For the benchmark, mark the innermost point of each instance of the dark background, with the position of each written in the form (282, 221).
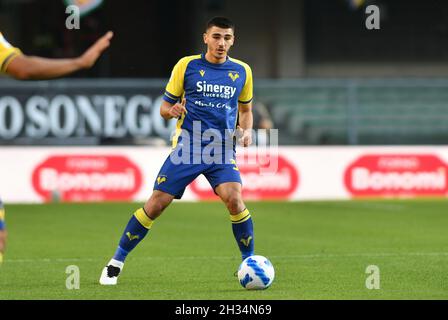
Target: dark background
(150, 36)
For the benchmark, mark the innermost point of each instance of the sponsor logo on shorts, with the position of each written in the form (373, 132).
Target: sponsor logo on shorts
(161, 179)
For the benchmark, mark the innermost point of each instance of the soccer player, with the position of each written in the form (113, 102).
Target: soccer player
(212, 91)
(20, 66)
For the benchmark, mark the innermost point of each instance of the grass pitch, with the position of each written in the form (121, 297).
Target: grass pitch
(320, 250)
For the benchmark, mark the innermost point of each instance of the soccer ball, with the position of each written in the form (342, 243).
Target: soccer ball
(256, 273)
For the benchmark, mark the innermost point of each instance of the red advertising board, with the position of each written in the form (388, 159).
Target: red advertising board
(87, 178)
(397, 175)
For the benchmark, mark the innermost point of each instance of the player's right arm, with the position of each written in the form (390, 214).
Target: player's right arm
(170, 107)
(169, 110)
(25, 67)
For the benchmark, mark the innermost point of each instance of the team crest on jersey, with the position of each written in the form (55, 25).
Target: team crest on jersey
(202, 72)
(234, 76)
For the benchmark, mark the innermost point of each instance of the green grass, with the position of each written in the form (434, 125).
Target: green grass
(320, 250)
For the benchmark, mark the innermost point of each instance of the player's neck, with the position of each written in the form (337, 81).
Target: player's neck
(212, 59)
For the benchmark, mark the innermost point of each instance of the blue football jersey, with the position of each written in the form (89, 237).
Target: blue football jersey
(212, 93)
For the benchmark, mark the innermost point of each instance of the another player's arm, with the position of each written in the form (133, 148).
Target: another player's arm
(25, 67)
(246, 121)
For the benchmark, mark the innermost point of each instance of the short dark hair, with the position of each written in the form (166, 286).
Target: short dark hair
(220, 22)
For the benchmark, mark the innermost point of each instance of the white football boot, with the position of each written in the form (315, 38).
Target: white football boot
(110, 273)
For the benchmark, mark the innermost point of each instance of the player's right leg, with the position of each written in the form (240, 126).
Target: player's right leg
(136, 229)
(170, 184)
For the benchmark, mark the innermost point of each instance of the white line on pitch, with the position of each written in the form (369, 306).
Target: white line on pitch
(303, 256)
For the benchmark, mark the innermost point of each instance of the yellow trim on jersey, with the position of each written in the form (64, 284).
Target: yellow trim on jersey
(7, 53)
(8, 59)
(178, 130)
(240, 217)
(169, 95)
(246, 94)
(141, 216)
(175, 86)
(2, 214)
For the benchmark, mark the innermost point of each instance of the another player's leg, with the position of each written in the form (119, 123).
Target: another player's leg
(242, 226)
(136, 229)
(2, 232)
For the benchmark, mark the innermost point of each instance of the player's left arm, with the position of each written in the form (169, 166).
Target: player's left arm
(245, 115)
(246, 121)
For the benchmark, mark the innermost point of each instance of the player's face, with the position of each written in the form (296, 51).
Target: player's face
(219, 41)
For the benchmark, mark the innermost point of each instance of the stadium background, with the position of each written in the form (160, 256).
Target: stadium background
(361, 113)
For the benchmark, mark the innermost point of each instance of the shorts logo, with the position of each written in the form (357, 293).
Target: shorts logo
(232, 161)
(246, 242)
(161, 179)
(234, 76)
(202, 72)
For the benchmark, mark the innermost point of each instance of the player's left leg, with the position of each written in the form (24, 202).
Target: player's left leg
(242, 226)
(226, 181)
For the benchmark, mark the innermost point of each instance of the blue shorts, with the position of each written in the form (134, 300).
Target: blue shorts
(174, 178)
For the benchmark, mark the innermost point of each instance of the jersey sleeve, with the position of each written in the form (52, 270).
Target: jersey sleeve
(175, 87)
(7, 53)
(247, 94)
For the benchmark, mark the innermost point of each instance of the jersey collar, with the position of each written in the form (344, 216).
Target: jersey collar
(215, 65)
